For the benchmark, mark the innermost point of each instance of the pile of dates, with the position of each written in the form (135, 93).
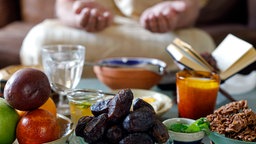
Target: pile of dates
(119, 120)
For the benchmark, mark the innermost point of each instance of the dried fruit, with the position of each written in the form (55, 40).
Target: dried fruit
(114, 123)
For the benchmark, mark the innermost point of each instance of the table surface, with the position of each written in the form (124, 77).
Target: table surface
(250, 96)
(92, 83)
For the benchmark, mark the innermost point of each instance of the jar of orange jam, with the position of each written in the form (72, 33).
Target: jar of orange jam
(196, 93)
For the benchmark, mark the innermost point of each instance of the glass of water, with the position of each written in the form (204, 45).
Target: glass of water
(63, 64)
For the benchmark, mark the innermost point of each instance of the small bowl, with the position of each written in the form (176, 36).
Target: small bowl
(66, 129)
(128, 76)
(221, 139)
(180, 138)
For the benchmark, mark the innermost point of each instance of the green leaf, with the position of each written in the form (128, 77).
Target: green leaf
(193, 128)
(178, 127)
(83, 105)
(199, 125)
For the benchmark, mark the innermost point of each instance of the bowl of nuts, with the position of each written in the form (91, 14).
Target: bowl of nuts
(233, 123)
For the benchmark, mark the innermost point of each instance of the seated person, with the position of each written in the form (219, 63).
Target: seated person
(119, 28)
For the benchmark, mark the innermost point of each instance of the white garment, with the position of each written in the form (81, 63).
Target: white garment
(239, 84)
(128, 39)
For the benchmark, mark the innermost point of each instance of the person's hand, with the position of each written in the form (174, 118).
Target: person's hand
(162, 17)
(92, 16)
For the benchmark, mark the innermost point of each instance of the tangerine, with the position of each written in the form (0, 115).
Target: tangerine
(21, 113)
(50, 106)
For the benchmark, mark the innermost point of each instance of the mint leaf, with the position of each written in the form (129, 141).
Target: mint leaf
(193, 128)
(178, 127)
(199, 125)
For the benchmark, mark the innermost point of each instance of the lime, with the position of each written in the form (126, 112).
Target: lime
(8, 122)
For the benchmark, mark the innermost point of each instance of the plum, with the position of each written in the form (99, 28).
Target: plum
(27, 89)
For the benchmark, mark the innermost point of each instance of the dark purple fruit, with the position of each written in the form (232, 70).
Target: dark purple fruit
(119, 106)
(139, 103)
(82, 122)
(139, 120)
(137, 138)
(114, 134)
(95, 128)
(100, 107)
(27, 89)
(159, 132)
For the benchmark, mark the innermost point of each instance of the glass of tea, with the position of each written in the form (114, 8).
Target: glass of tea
(80, 102)
(196, 93)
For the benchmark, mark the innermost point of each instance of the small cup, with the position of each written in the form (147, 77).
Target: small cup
(183, 138)
(196, 93)
(80, 101)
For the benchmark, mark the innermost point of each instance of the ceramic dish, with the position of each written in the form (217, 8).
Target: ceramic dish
(182, 138)
(221, 139)
(160, 102)
(130, 72)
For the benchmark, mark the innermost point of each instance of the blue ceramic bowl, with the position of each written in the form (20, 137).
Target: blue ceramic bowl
(132, 62)
(129, 72)
(183, 138)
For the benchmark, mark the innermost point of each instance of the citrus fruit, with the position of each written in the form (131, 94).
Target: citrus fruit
(37, 126)
(27, 89)
(8, 121)
(50, 106)
(21, 113)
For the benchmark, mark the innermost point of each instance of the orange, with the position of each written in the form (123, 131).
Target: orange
(50, 106)
(21, 113)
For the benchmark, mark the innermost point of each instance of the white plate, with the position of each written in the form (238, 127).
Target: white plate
(162, 103)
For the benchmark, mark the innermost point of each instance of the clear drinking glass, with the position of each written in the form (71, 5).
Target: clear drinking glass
(80, 102)
(63, 64)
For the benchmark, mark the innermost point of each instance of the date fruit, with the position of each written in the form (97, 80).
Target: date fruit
(115, 123)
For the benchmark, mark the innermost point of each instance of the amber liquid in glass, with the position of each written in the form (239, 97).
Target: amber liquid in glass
(196, 93)
(80, 102)
(79, 109)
